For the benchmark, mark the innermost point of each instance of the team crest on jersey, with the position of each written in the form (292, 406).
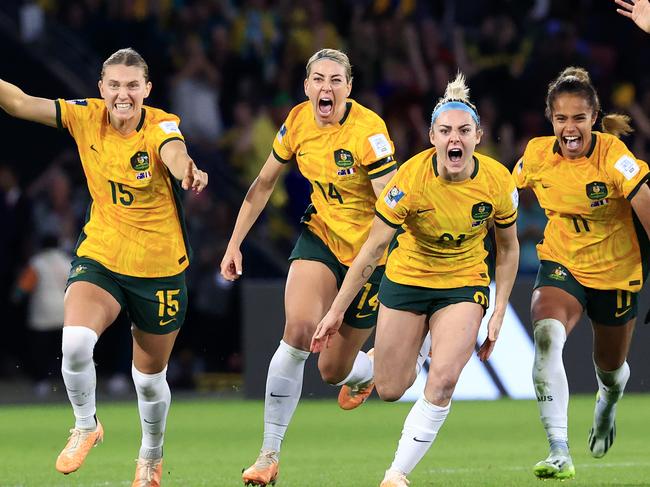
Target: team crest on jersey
(140, 161)
(481, 211)
(596, 190)
(343, 158)
(558, 274)
(393, 196)
(80, 269)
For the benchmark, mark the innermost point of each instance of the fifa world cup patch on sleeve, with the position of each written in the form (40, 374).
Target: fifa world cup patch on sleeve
(282, 132)
(380, 145)
(515, 198)
(169, 127)
(627, 166)
(81, 102)
(393, 196)
(520, 166)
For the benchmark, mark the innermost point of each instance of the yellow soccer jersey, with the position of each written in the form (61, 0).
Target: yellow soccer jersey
(134, 225)
(590, 227)
(339, 161)
(445, 222)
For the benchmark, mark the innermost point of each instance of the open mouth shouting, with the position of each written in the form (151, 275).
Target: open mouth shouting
(455, 155)
(325, 106)
(573, 143)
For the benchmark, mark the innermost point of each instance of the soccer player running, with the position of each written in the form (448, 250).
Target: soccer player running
(345, 152)
(637, 10)
(132, 250)
(439, 205)
(593, 191)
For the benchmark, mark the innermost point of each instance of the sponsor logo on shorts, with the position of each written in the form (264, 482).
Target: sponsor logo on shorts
(360, 316)
(620, 313)
(80, 269)
(166, 322)
(558, 274)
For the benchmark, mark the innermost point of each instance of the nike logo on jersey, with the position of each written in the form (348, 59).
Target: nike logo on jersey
(92, 147)
(618, 314)
(424, 210)
(273, 394)
(163, 323)
(300, 154)
(415, 438)
(546, 186)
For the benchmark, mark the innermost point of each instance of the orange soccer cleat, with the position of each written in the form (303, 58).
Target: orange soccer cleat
(264, 471)
(393, 478)
(351, 397)
(76, 450)
(148, 472)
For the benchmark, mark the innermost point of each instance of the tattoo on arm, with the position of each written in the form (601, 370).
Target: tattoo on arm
(367, 271)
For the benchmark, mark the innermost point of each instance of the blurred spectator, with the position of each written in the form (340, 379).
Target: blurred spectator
(43, 280)
(194, 93)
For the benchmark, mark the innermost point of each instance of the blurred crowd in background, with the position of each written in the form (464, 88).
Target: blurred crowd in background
(232, 70)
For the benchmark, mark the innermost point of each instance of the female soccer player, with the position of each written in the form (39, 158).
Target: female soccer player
(440, 203)
(637, 10)
(132, 251)
(591, 258)
(344, 150)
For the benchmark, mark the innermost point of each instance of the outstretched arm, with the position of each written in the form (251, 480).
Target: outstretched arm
(363, 266)
(637, 10)
(174, 155)
(254, 202)
(19, 104)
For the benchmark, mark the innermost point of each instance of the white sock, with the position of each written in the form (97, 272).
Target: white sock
(420, 429)
(610, 389)
(549, 378)
(423, 354)
(611, 384)
(283, 389)
(361, 372)
(154, 399)
(78, 372)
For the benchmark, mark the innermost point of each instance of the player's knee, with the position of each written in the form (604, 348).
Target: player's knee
(442, 389)
(390, 391)
(298, 333)
(77, 347)
(549, 334)
(331, 373)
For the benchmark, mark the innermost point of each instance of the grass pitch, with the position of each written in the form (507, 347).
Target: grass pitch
(210, 441)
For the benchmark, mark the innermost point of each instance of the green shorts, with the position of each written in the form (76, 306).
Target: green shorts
(362, 313)
(605, 307)
(426, 300)
(155, 304)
